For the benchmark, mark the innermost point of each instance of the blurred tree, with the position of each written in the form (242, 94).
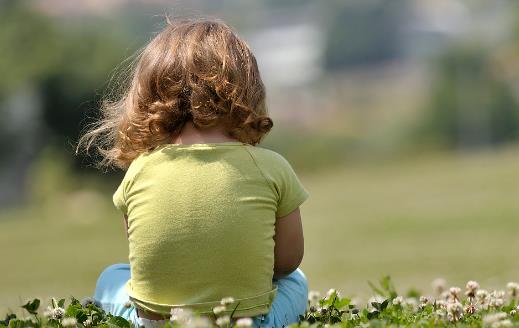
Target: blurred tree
(470, 104)
(29, 52)
(28, 44)
(71, 93)
(364, 32)
(69, 67)
(52, 77)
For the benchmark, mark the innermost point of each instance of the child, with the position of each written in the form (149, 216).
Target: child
(208, 213)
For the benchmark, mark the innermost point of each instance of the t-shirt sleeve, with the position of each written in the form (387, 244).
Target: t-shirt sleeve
(119, 199)
(291, 192)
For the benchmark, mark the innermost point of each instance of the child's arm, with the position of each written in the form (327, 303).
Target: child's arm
(289, 244)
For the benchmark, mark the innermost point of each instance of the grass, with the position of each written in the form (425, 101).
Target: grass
(448, 216)
(443, 215)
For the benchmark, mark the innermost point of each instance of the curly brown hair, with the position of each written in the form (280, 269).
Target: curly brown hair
(194, 69)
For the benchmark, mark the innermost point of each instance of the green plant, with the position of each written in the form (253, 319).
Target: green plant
(450, 307)
(87, 313)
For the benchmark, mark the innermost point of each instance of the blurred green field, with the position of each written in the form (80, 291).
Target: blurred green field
(443, 215)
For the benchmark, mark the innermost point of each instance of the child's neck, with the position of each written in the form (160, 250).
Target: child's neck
(191, 135)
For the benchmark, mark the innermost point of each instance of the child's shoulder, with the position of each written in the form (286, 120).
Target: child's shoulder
(268, 155)
(282, 177)
(271, 160)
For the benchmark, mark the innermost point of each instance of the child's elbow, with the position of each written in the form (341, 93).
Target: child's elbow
(287, 264)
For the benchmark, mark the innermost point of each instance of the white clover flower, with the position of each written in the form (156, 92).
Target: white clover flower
(399, 300)
(411, 302)
(445, 295)
(499, 293)
(438, 285)
(455, 293)
(455, 311)
(440, 312)
(376, 299)
(58, 313)
(181, 316)
(219, 309)
(331, 292)
(454, 290)
(227, 301)
(87, 323)
(470, 309)
(483, 298)
(223, 321)
(244, 322)
(513, 289)
(484, 305)
(481, 294)
(496, 298)
(313, 296)
(440, 304)
(68, 322)
(425, 300)
(494, 317)
(472, 287)
(454, 307)
(503, 324)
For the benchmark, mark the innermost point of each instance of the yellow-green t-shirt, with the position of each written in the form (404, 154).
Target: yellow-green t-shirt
(201, 224)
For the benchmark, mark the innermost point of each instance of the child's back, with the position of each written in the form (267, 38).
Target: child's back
(201, 224)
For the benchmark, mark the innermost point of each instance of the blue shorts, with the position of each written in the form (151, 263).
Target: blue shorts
(289, 302)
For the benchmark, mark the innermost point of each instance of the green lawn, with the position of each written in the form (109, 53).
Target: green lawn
(451, 216)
